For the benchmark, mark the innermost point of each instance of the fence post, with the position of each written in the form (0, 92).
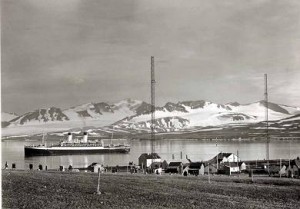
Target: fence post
(98, 186)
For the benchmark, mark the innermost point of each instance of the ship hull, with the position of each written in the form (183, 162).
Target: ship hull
(43, 151)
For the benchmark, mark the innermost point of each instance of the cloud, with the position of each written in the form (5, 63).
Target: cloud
(215, 50)
(75, 80)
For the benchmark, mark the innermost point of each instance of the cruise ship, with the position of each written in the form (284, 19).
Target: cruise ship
(72, 147)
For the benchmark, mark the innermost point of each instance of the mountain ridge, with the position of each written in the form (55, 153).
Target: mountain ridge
(132, 114)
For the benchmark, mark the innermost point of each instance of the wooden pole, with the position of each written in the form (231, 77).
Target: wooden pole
(98, 186)
(218, 161)
(280, 168)
(208, 174)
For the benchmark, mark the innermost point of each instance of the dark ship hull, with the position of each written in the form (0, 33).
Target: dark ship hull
(46, 151)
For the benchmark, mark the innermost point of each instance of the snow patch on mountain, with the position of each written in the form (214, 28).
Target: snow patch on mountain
(258, 109)
(291, 110)
(165, 124)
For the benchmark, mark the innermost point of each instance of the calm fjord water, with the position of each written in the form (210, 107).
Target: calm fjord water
(196, 150)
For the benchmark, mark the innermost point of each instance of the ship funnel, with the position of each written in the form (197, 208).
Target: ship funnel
(69, 137)
(85, 137)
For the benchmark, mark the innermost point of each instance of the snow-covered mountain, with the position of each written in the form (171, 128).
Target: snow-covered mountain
(291, 123)
(133, 115)
(203, 113)
(8, 116)
(39, 116)
(90, 114)
(100, 114)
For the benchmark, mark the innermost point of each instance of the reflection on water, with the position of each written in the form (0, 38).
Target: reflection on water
(13, 152)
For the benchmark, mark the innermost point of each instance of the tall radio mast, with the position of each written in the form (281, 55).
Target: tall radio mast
(152, 106)
(267, 119)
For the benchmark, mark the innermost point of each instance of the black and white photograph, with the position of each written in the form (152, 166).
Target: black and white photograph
(150, 104)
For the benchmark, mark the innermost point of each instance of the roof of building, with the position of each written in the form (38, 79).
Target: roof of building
(195, 165)
(172, 169)
(210, 165)
(296, 162)
(156, 163)
(175, 164)
(150, 156)
(220, 157)
(240, 163)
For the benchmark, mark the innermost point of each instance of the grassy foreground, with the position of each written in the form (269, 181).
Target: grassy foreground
(40, 189)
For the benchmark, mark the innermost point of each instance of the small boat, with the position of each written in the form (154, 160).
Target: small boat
(71, 147)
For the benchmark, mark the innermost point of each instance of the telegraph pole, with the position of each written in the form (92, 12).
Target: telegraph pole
(267, 121)
(152, 106)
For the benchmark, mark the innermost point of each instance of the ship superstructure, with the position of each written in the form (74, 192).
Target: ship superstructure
(74, 146)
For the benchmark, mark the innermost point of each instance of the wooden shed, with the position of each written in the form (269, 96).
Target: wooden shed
(229, 168)
(196, 168)
(175, 167)
(162, 164)
(212, 168)
(293, 168)
(146, 159)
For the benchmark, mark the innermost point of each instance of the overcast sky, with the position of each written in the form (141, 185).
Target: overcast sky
(65, 53)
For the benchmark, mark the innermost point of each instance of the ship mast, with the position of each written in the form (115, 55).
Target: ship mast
(152, 106)
(112, 136)
(267, 120)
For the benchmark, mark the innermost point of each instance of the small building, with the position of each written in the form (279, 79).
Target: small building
(175, 167)
(146, 159)
(211, 168)
(158, 171)
(224, 157)
(275, 169)
(95, 166)
(293, 169)
(296, 166)
(195, 168)
(243, 166)
(163, 165)
(282, 171)
(229, 168)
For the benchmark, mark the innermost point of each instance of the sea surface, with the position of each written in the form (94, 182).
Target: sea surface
(168, 149)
